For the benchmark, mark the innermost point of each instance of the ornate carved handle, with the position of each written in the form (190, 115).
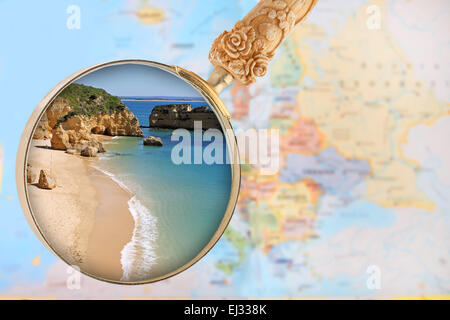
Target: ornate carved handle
(245, 51)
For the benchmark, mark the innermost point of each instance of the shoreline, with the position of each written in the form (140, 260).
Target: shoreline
(86, 219)
(113, 227)
(137, 254)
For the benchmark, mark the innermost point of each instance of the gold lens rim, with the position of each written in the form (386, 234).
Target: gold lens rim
(203, 87)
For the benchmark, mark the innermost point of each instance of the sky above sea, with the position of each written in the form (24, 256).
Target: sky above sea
(133, 80)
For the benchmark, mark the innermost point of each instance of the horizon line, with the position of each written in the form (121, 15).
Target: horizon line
(163, 98)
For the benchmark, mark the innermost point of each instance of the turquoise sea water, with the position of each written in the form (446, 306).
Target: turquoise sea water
(176, 208)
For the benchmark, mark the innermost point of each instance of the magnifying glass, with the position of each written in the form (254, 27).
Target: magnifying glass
(129, 170)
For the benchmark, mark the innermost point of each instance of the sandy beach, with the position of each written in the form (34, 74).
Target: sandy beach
(85, 218)
(131, 214)
(113, 227)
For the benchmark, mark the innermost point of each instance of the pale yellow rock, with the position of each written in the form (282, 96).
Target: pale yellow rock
(31, 174)
(59, 108)
(43, 130)
(98, 129)
(60, 139)
(89, 152)
(153, 141)
(80, 127)
(46, 180)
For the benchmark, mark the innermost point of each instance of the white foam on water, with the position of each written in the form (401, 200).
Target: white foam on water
(113, 177)
(138, 255)
(112, 140)
(104, 158)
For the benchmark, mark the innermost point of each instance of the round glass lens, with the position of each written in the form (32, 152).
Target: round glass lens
(128, 175)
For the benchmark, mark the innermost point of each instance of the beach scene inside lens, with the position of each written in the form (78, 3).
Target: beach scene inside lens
(127, 173)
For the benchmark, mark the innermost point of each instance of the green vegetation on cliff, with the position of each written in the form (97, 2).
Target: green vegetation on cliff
(89, 101)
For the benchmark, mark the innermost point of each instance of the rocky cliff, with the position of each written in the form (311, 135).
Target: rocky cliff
(176, 116)
(81, 111)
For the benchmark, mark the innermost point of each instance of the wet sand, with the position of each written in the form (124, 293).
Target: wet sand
(112, 230)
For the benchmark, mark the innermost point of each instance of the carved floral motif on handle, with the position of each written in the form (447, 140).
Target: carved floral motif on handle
(246, 50)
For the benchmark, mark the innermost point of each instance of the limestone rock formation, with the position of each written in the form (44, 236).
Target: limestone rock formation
(60, 139)
(122, 123)
(31, 174)
(77, 139)
(46, 180)
(79, 113)
(153, 141)
(58, 109)
(98, 130)
(89, 152)
(176, 116)
(43, 130)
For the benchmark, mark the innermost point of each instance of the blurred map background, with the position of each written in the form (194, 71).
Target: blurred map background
(361, 95)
